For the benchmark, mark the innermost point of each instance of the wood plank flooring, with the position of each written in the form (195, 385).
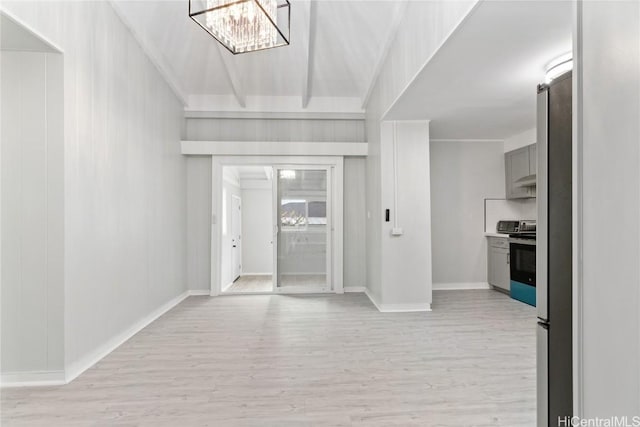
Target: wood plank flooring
(334, 360)
(303, 280)
(252, 283)
(263, 283)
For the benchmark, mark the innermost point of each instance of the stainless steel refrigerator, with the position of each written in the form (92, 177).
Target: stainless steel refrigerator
(554, 252)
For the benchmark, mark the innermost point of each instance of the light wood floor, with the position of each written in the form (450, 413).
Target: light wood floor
(252, 283)
(263, 283)
(303, 280)
(276, 360)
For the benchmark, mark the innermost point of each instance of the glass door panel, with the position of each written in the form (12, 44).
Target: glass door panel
(303, 224)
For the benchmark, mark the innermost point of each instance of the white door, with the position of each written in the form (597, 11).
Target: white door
(236, 237)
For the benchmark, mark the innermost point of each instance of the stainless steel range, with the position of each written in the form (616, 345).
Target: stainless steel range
(522, 250)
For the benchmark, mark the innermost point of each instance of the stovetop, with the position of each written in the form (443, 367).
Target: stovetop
(528, 236)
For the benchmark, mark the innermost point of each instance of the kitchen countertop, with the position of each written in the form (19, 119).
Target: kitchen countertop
(503, 235)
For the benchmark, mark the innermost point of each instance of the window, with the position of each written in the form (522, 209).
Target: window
(300, 213)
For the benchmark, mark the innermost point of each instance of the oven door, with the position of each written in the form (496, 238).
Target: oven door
(523, 263)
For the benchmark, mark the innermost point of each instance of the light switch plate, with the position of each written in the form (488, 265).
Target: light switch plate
(397, 231)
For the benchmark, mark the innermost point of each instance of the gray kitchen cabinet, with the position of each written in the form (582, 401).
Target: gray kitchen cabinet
(519, 165)
(498, 263)
(533, 159)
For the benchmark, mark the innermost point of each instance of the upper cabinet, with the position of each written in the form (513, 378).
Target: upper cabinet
(533, 159)
(520, 172)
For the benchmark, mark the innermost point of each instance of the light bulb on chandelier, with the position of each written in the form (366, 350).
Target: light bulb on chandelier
(246, 25)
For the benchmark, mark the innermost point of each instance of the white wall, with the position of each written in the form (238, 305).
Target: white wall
(257, 230)
(275, 130)
(355, 220)
(608, 129)
(32, 214)
(406, 259)
(300, 130)
(520, 140)
(463, 174)
(423, 29)
(199, 222)
(512, 209)
(125, 179)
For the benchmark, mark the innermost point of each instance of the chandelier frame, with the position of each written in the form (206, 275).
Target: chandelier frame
(286, 39)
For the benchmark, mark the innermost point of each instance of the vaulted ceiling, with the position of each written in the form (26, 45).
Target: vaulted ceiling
(334, 52)
(480, 84)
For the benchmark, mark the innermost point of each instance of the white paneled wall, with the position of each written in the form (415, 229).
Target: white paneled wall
(425, 26)
(355, 217)
(32, 215)
(406, 259)
(199, 222)
(298, 130)
(124, 176)
(199, 191)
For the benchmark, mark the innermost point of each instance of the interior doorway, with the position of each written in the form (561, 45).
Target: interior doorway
(277, 228)
(247, 234)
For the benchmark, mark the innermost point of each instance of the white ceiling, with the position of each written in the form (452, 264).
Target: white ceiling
(254, 173)
(14, 36)
(340, 52)
(482, 83)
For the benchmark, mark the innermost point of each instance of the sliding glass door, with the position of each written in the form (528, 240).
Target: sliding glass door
(303, 229)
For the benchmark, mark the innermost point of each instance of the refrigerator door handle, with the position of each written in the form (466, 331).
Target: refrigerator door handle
(542, 236)
(542, 361)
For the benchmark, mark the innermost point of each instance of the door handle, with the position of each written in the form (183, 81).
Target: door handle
(234, 246)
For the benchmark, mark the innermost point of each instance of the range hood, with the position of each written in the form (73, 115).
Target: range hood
(526, 181)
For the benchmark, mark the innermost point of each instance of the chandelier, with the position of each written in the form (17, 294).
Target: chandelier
(244, 25)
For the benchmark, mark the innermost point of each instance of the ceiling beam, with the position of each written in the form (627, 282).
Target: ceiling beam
(309, 12)
(231, 70)
(396, 19)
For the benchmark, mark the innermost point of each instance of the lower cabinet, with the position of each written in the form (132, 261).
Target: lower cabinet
(498, 263)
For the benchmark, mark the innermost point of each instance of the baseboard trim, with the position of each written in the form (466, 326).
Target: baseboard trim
(32, 379)
(226, 287)
(397, 308)
(372, 298)
(355, 289)
(199, 292)
(460, 286)
(75, 369)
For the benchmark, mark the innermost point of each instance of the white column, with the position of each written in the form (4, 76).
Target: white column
(406, 238)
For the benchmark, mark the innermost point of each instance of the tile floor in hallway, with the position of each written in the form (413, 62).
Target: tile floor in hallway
(331, 360)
